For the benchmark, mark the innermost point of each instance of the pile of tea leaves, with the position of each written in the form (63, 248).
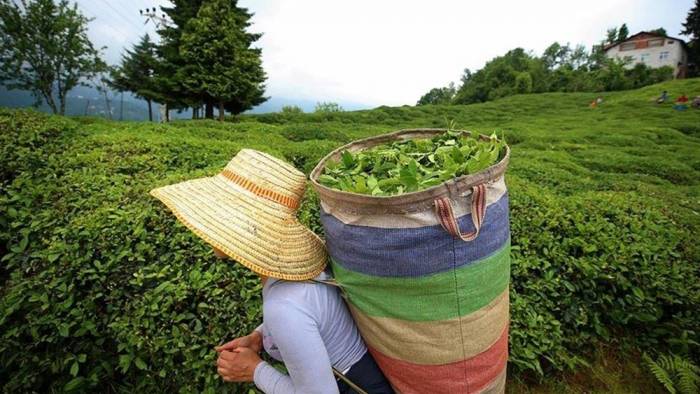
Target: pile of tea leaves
(411, 165)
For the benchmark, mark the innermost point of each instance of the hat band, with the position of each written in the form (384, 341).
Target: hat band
(259, 191)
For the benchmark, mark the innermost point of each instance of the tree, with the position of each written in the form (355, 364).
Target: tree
(611, 37)
(622, 33)
(523, 83)
(328, 107)
(660, 31)
(555, 55)
(442, 95)
(499, 78)
(220, 62)
(137, 73)
(691, 28)
(171, 87)
(44, 48)
(291, 110)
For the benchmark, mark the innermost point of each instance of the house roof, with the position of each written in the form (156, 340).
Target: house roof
(644, 33)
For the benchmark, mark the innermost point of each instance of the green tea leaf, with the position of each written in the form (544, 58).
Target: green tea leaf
(411, 165)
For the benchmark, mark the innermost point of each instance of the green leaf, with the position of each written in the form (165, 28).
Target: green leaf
(327, 180)
(64, 330)
(74, 384)
(409, 176)
(125, 362)
(74, 368)
(140, 364)
(347, 159)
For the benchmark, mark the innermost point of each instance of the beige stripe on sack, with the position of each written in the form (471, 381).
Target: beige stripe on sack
(432, 343)
(494, 192)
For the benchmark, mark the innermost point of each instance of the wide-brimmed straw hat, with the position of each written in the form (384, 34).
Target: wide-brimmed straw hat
(248, 211)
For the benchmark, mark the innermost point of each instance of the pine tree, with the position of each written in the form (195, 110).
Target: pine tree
(691, 27)
(611, 36)
(173, 92)
(136, 73)
(622, 33)
(220, 62)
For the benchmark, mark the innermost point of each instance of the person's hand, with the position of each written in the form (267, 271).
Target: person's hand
(251, 341)
(237, 365)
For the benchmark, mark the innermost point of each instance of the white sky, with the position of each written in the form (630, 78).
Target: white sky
(392, 51)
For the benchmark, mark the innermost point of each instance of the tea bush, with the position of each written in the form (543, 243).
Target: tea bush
(103, 290)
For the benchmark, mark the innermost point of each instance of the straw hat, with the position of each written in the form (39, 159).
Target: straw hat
(248, 211)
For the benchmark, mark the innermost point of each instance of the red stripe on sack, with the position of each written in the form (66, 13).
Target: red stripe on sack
(481, 370)
(479, 195)
(442, 216)
(454, 228)
(482, 203)
(259, 191)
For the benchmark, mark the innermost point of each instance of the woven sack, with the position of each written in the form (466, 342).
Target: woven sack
(426, 274)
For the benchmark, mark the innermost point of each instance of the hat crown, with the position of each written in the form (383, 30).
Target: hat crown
(268, 173)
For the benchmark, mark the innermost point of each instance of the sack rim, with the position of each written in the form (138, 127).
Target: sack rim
(409, 202)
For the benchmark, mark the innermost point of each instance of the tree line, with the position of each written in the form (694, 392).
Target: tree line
(562, 68)
(204, 59)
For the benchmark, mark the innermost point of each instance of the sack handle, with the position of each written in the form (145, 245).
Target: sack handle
(445, 214)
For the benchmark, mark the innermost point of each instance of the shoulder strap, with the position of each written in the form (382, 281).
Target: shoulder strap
(348, 382)
(330, 282)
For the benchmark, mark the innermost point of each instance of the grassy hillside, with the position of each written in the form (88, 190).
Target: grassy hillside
(101, 289)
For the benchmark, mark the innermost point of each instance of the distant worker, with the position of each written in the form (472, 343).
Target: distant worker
(681, 103)
(663, 98)
(696, 102)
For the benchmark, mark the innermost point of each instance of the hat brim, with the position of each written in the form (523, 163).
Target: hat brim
(260, 234)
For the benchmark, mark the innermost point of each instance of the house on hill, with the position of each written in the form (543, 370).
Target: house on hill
(653, 49)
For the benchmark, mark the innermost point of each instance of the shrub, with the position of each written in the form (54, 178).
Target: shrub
(580, 277)
(325, 107)
(292, 110)
(102, 290)
(312, 131)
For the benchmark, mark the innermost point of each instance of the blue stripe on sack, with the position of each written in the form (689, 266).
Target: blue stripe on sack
(414, 251)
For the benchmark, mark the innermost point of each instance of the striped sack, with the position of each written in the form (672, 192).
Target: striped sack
(426, 275)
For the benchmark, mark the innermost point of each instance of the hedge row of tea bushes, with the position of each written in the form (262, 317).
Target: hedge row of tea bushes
(102, 290)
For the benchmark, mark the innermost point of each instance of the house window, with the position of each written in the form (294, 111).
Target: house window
(644, 57)
(657, 42)
(627, 46)
(663, 55)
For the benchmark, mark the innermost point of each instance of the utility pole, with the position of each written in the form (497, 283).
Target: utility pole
(87, 106)
(151, 15)
(121, 108)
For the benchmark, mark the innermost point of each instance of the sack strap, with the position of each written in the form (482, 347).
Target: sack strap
(446, 216)
(348, 382)
(330, 282)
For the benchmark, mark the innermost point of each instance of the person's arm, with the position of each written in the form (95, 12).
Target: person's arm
(305, 356)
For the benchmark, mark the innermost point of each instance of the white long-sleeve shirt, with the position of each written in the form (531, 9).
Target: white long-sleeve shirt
(308, 327)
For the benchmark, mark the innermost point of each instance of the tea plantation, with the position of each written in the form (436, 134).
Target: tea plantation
(102, 290)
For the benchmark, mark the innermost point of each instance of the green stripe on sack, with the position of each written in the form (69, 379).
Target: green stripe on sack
(429, 298)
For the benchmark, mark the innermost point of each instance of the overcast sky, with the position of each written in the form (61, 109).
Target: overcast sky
(390, 52)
